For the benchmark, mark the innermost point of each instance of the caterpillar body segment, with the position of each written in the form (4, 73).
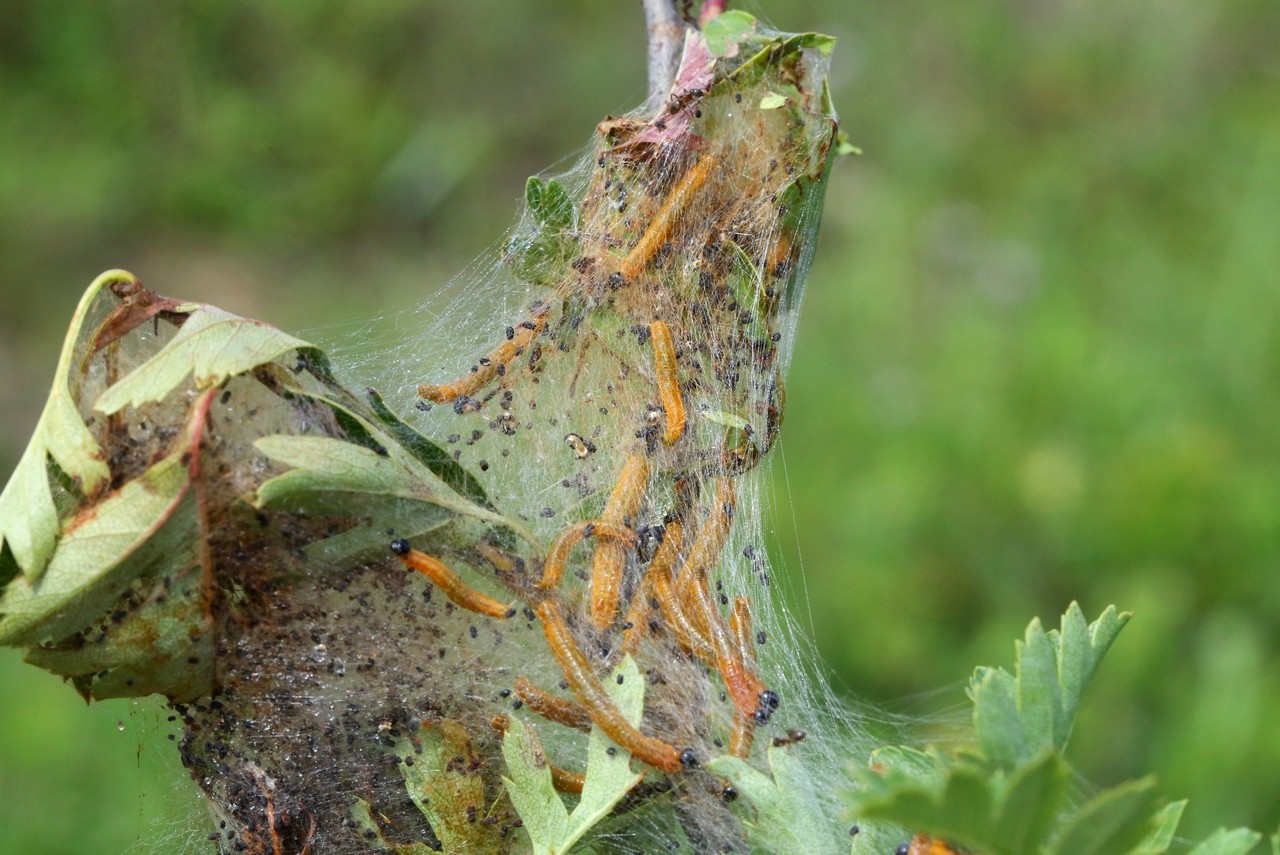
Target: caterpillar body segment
(495, 363)
(604, 713)
(570, 536)
(664, 360)
(449, 582)
(611, 555)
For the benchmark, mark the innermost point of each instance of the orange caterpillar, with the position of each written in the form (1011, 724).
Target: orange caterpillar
(570, 536)
(611, 554)
(664, 222)
(518, 339)
(659, 568)
(664, 360)
(922, 844)
(552, 707)
(449, 582)
(604, 713)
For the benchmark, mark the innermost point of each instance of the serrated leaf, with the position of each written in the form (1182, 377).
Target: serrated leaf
(164, 645)
(550, 204)
(726, 31)
(951, 799)
(1039, 698)
(528, 782)
(1008, 799)
(609, 776)
(1236, 841)
(210, 347)
(552, 828)
(789, 817)
(904, 762)
(1018, 718)
(28, 517)
(996, 717)
(1114, 822)
(1081, 647)
(769, 53)
(956, 807)
(823, 44)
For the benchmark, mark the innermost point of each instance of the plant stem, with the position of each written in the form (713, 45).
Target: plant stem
(666, 39)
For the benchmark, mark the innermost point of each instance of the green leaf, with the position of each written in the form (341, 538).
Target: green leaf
(1114, 822)
(550, 204)
(844, 148)
(905, 763)
(1018, 718)
(817, 41)
(429, 454)
(966, 803)
(164, 645)
(321, 465)
(149, 521)
(609, 777)
(1039, 700)
(772, 101)
(1237, 841)
(528, 781)
(788, 813)
(1029, 804)
(212, 345)
(1166, 823)
(28, 517)
(770, 53)
(996, 716)
(726, 31)
(1081, 647)
(1011, 798)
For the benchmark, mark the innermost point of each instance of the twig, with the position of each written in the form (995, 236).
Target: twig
(666, 40)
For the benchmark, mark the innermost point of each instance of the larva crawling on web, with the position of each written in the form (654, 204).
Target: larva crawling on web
(664, 360)
(552, 707)
(570, 536)
(490, 366)
(450, 582)
(611, 554)
(603, 712)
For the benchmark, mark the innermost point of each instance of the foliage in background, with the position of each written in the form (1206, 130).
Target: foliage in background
(1011, 793)
(1038, 359)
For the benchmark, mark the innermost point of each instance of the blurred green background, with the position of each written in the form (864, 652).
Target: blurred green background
(1039, 361)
